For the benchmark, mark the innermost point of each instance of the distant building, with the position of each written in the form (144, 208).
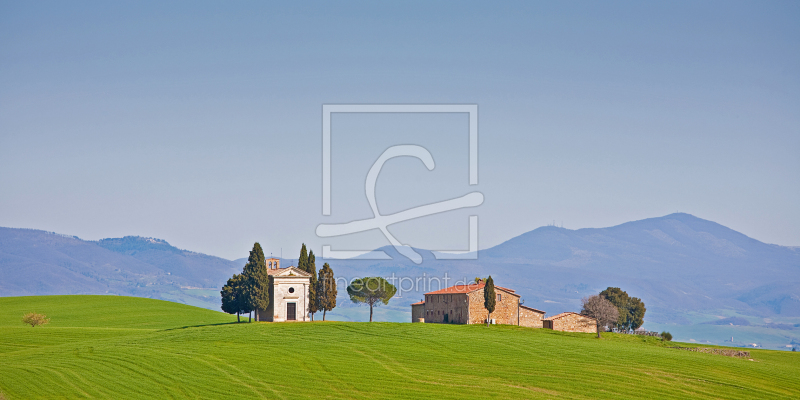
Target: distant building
(463, 304)
(288, 294)
(571, 322)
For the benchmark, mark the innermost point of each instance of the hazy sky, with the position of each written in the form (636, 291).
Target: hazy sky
(201, 123)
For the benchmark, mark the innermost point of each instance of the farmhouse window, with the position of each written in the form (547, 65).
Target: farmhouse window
(499, 297)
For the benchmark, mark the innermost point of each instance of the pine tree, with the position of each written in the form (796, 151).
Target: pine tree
(256, 281)
(311, 268)
(489, 298)
(326, 290)
(371, 291)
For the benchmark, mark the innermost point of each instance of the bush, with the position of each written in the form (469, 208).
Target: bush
(34, 319)
(666, 336)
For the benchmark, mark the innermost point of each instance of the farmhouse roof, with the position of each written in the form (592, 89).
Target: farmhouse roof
(469, 288)
(419, 303)
(532, 309)
(564, 314)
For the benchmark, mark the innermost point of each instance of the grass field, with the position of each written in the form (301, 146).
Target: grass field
(123, 347)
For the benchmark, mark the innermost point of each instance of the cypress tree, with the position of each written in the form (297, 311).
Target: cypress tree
(311, 268)
(256, 281)
(302, 262)
(489, 298)
(326, 290)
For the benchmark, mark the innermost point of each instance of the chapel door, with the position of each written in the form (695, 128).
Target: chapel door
(291, 311)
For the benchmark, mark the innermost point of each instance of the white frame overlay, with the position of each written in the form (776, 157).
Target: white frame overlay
(328, 109)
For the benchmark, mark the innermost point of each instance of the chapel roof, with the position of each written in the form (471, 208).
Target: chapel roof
(287, 271)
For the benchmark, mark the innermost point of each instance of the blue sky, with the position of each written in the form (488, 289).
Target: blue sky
(200, 123)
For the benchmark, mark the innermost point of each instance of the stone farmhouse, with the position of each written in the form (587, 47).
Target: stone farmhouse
(571, 322)
(288, 294)
(463, 304)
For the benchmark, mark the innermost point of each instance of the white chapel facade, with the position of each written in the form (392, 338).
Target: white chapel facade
(288, 294)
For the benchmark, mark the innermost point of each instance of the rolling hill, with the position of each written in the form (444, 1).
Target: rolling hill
(134, 348)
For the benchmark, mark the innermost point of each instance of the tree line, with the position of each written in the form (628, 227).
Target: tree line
(249, 291)
(614, 308)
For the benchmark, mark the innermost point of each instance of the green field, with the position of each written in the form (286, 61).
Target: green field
(123, 347)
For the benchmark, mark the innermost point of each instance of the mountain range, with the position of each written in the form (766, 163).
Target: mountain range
(691, 274)
(34, 262)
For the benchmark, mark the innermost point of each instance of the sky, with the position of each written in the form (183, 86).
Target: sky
(200, 123)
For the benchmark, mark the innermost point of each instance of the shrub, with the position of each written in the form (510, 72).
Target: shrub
(666, 336)
(34, 319)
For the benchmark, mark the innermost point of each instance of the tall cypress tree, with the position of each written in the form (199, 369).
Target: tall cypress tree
(326, 290)
(256, 281)
(302, 262)
(489, 298)
(311, 268)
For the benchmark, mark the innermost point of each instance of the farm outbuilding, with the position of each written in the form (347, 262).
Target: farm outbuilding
(418, 312)
(531, 317)
(571, 322)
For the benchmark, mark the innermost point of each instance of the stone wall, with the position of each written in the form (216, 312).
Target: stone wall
(530, 318)
(572, 322)
(505, 310)
(446, 308)
(723, 352)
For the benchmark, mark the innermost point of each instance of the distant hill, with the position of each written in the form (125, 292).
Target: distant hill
(675, 262)
(34, 262)
(679, 261)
